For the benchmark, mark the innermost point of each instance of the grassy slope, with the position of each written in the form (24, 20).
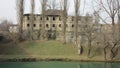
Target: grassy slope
(42, 50)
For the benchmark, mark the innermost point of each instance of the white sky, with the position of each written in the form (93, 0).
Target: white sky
(8, 9)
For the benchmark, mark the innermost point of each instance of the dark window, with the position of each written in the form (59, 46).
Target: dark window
(66, 25)
(72, 25)
(47, 25)
(40, 25)
(72, 19)
(79, 25)
(53, 25)
(53, 18)
(59, 25)
(28, 25)
(34, 18)
(47, 18)
(59, 18)
(85, 25)
(28, 18)
(40, 18)
(34, 25)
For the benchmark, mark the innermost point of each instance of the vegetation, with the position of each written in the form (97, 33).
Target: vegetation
(92, 41)
(20, 13)
(64, 9)
(48, 50)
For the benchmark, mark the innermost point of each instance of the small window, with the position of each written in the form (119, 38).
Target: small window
(40, 25)
(86, 25)
(79, 25)
(34, 18)
(34, 25)
(72, 25)
(47, 18)
(66, 25)
(59, 18)
(28, 25)
(59, 25)
(47, 25)
(53, 18)
(72, 19)
(28, 18)
(53, 25)
(40, 18)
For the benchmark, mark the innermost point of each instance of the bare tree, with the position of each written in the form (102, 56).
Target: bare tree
(32, 19)
(104, 33)
(105, 41)
(20, 13)
(9, 31)
(89, 32)
(4, 25)
(52, 4)
(64, 9)
(77, 8)
(118, 15)
(111, 9)
(43, 6)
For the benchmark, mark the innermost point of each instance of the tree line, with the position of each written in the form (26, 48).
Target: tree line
(106, 35)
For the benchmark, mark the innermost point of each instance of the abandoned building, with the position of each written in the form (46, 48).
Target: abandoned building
(53, 24)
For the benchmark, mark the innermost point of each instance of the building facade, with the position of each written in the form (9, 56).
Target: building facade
(53, 24)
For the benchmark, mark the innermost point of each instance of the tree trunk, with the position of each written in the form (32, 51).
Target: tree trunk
(113, 52)
(64, 30)
(42, 37)
(64, 18)
(89, 48)
(77, 7)
(105, 53)
(76, 31)
(43, 5)
(20, 7)
(80, 50)
(80, 47)
(32, 19)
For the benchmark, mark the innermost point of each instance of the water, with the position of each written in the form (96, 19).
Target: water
(58, 65)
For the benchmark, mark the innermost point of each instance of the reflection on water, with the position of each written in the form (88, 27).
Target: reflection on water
(58, 65)
(99, 65)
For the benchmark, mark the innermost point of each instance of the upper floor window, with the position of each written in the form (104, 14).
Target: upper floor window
(34, 25)
(59, 25)
(47, 25)
(28, 25)
(72, 19)
(34, 18)
(40, 18)
(66, 25)
(79, 25)
(28, 18)
(40, 25)
(53, 18)
(72, 25)
(59, 18)
(47, 18)
(53, 25)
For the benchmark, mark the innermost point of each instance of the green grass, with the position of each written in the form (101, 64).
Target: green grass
(49, 48)
(44, 49)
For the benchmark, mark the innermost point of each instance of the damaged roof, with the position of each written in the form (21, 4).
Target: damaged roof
(49, 12)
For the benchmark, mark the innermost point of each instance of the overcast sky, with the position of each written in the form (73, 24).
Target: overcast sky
(8, 9)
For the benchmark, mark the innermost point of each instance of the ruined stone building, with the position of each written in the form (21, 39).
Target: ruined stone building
(53, 24)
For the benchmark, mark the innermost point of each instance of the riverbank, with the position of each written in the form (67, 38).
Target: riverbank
(48, 51)
(29, 59)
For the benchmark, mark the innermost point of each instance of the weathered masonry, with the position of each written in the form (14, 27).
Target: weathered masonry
(53, 25)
